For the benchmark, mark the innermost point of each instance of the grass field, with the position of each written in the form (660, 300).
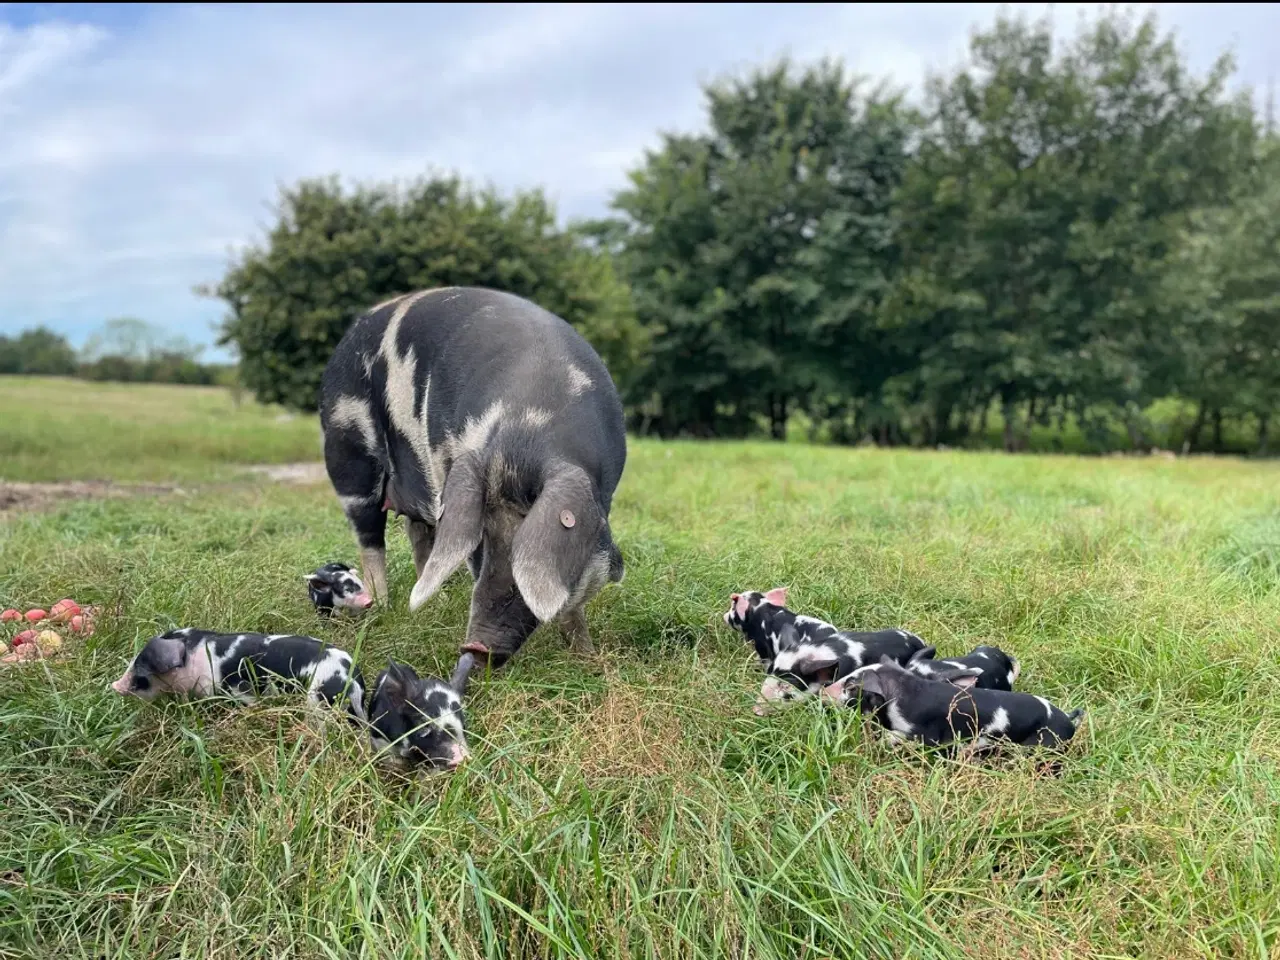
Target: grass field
(59, 428)
(631, 805)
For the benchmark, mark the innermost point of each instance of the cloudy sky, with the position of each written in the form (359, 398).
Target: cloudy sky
(139, 144)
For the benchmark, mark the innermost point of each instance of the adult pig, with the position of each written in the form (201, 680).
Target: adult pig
(494, 428)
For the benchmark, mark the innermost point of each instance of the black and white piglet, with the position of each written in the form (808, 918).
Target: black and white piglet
(415, 720)
(192, 663)
(997, 670)
(335, 585)
(911, 707)
(800, 654)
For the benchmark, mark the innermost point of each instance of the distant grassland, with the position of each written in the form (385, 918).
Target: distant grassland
(630, 805)
(54, 428)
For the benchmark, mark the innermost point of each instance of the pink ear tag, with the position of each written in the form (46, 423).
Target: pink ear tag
(567, 519)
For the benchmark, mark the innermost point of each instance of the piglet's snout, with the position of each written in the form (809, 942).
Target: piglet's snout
(834, 691)
(363, 600)
(124, 684)
(457, 754)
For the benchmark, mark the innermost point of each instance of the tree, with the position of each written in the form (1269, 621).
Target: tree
(38, 351)
(333, 254)
(1042, 215)
(757, 252)
(1228, 281)
(127, 338)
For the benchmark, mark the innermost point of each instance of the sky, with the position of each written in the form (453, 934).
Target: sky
(141, 145)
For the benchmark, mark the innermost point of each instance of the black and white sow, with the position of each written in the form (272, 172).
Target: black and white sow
(495, 430)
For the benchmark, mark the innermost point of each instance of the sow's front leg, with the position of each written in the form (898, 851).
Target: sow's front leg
(605, 565)
(421, 538)
(358, 481)
(573, 626)
(500, 620)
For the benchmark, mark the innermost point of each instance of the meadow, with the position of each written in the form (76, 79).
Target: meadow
(630, 804)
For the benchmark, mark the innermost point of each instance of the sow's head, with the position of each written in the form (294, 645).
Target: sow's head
(557, 555)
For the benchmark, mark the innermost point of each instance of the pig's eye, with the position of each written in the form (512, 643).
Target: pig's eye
(141, 683)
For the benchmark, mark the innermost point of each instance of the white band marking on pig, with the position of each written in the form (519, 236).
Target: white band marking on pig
(999, 721)
(536, 417)
(353, 412)
(897, 722)
(579, 382)
(400, 387)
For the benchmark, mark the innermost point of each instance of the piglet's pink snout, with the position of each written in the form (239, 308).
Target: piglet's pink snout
(124, 684)
(834, 691)
(362, 600)
(457, 755)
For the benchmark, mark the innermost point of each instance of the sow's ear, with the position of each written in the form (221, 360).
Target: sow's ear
(556, 542)
(459, 528)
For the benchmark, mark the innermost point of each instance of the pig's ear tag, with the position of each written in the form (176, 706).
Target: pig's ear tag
(566, 518)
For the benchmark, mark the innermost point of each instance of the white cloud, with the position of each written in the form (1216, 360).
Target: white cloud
(136, 150)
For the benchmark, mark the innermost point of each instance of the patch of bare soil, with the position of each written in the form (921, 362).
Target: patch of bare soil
(298, 473)
(16, 496)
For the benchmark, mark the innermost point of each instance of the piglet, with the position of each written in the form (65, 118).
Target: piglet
(997, 670)
(911, 707)
(335, 585)
(803, 654)
(415, 720)
(191, 663)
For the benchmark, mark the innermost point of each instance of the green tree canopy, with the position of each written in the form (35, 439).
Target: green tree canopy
(334, 253)
(1042, 213)
(757, 252)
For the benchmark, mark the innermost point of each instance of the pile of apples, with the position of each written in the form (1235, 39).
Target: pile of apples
(40, 639)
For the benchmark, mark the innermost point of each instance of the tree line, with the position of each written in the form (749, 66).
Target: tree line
(125, 350)
(1070, 244)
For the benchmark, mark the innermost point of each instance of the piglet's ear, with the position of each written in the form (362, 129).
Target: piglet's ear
(319, 583)
(777, 596)
(964, 679)
(816, 668)
(166, 653)
(393, 681)
(870, 682)
(926, 653)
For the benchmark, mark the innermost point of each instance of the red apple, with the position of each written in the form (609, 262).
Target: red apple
(35, 616)
(10, 614)
(26, 636)
(64, 610)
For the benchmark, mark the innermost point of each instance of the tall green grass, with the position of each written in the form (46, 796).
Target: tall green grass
(630, 805)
